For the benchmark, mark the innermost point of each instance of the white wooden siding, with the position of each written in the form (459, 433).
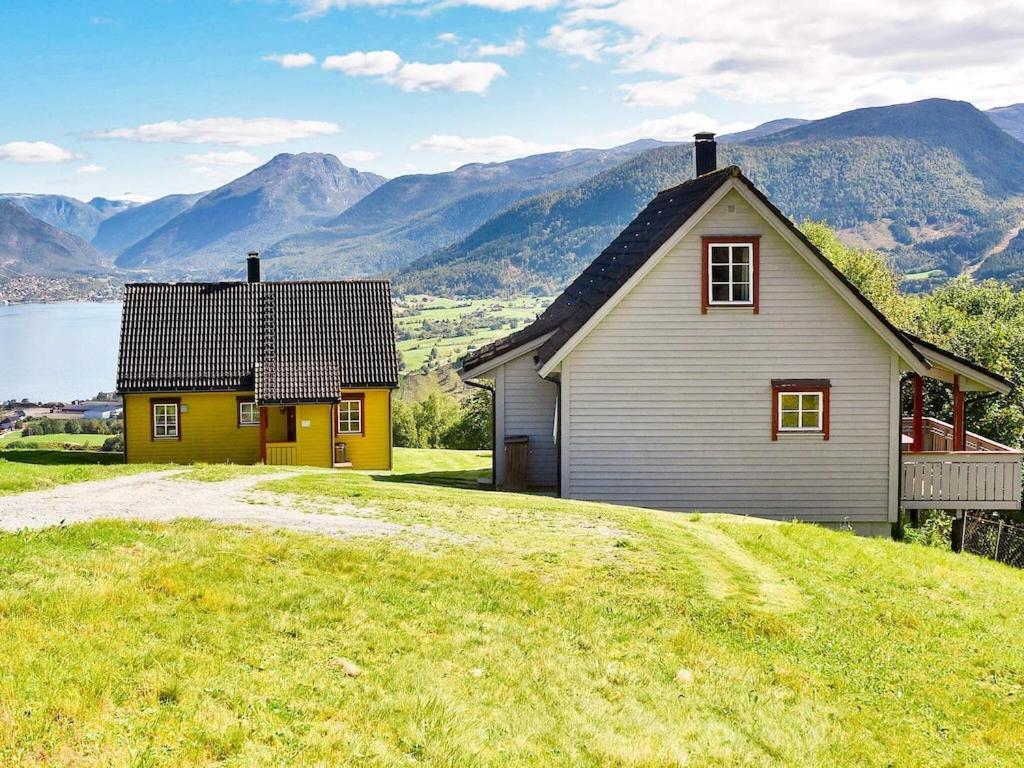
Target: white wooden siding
(527, 407)
(670, 408)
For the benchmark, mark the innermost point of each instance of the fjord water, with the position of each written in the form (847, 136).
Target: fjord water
(63, 351)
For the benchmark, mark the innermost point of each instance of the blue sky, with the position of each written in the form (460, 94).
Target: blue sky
(147, 98)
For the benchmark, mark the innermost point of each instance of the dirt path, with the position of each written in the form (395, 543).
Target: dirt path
(972, 269)
(160, 497)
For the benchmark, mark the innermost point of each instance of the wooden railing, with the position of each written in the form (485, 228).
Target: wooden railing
(938, 436)
(282, 454)
(963, 480)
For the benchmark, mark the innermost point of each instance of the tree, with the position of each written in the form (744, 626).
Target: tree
(403, 425)
(475, 427)
(72, 427)
(434, 417)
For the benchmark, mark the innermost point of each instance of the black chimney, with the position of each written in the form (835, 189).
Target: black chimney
(252, 264)
(705, 153)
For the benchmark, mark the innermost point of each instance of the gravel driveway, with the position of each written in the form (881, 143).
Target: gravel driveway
(160, 497)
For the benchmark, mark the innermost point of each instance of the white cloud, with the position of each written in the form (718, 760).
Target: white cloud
(241, 157)
(309, 9)
(91, 168)
(35, 152)
(448, 37)
(827, 57)
(357, 157)
(236, 131)
(515, 47)
(292, 60)
(583, 42)
(658, 93)
(463, 76)
(366, 63)
(491, 147)
(680, 127)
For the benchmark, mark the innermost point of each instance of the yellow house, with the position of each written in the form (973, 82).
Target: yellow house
(248, 372)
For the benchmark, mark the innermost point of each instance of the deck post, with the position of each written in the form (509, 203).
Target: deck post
(959, 418)
(263, 434)
(918, 430)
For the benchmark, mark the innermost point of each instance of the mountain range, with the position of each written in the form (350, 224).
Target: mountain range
(937, 184)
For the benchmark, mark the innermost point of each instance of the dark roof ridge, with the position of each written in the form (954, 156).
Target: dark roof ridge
(340, 281)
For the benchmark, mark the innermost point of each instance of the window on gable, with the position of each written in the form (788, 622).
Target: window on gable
(166, 420)
(800, 405)
(730, 272)
(350, 417)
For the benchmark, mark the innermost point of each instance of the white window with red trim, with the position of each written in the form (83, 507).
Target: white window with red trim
(730, 267)
(731, 278)
(350, 417)
(800, 406)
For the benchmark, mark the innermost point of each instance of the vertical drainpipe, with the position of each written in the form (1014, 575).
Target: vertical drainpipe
(558, 442)
(494, 430)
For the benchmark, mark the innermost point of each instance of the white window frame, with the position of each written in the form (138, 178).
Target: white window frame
(749, 302)
(349, 421)
(157, 425)
(242, 421)
(800, 411)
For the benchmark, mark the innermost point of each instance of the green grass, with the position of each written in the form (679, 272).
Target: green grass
(37, 470)
(49, 441)
(523, 631)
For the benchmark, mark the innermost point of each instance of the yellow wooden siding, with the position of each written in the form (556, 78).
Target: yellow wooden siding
(209, 432)
(313, 434)
(371, 450)
(208, 425)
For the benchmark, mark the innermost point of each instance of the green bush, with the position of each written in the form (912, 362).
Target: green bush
(114, 444)
(933, 532)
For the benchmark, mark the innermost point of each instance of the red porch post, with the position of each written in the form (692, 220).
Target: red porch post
(263, 434)
(917, 436)
(959, 418)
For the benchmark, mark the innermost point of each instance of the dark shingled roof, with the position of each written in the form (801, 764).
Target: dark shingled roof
(610, 270)
(287, 341)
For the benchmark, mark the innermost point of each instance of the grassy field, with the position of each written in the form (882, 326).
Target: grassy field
(51, 441)
(481, 315)
(517, 631)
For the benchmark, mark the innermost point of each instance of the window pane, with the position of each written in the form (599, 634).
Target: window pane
(741, 292)
(810, 420)
(720, 292)
(720, 274)
(719, 254)
(790, 420)
(809, 402)
(741, 255)
(741, 273)
(790, 402)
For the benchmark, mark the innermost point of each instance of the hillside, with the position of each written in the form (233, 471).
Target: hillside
(29, 246)
(411, 216)
(289, 194)
(128, 226)
(479, 629)
(1010, 119)
(65, 213)
(890, 177)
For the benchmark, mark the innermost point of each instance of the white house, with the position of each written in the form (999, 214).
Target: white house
(711, 358)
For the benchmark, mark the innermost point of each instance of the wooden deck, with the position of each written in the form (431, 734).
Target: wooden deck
(986, 476)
